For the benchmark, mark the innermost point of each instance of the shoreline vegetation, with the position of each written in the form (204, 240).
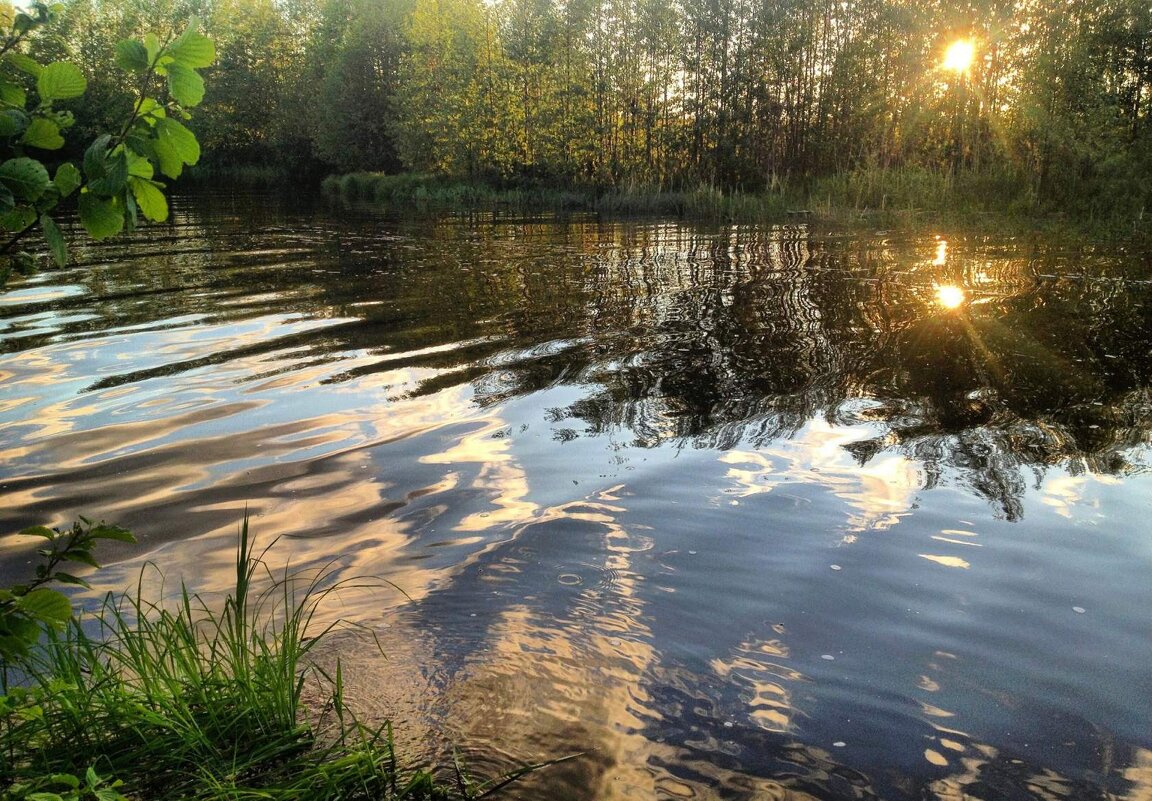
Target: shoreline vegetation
(179, 698)
(906, 197)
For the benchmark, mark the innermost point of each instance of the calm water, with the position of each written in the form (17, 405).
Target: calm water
(738, 511)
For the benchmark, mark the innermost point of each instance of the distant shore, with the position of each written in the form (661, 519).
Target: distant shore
(888, 198)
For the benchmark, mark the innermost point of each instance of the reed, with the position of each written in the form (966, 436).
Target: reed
(433, 192)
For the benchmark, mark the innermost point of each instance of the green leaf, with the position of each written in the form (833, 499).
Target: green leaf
(114, 177)
(82, 555)
(44, 134)
(148, 107)
(18, 218)
(185, 84)
(20, 623)
(48, 606)
(169, 160)
(101, 217)
(60, 81)
(193, 50)
(138, 144)
(66, 779)
(67, 179)
(12, 647)
(13, 95)
(132, 56)
(102, 531)
(152, 45)
(138, 165)
(23, 23)
(94, 157)
(149, 198)
(175, 146)
(24, 63)
(55, 239)
(12, 121)
(26, 177)
(39, 531)
(133, 219)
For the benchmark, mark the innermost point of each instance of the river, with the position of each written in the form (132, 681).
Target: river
(739, 512)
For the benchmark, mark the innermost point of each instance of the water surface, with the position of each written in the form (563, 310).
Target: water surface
(739, 511)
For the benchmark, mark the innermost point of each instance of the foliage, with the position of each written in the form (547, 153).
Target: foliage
(65, 787)
(356, 107)
(117, 182)
(27, 609)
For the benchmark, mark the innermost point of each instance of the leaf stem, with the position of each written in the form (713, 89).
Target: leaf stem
(141, 94)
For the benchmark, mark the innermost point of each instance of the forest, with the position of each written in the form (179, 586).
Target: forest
(1038, 102)
(1042, 102)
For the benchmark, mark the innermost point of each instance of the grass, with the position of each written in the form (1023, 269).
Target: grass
(912, 191)
(247, 176)
(433, 192)
(993, 198)
(181, 701)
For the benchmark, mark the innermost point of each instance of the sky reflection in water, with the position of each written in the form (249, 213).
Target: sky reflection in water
(741, 509)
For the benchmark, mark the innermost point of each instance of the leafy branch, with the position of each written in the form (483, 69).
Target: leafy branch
(26, 609)
(118, 181)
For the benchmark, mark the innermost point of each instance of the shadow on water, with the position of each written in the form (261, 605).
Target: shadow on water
(746, 512)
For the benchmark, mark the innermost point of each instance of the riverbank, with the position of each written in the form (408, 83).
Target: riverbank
(181, 697)
(908, 197)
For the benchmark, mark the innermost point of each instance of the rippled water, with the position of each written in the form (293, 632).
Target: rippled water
(738, 511)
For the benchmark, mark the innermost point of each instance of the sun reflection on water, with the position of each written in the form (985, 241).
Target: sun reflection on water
(941, 253)
(950, 296)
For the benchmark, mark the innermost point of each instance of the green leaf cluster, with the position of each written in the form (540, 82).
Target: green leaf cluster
(118, 181)
(121, 172)
(66, 787)
(27, 610)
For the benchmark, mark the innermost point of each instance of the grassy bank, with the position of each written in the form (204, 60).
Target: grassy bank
(410, 190)
(188, 701)
(908, 197)
(247, 176)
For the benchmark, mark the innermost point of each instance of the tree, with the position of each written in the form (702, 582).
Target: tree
(355, 111)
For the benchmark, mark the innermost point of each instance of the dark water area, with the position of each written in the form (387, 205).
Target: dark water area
(741, 512)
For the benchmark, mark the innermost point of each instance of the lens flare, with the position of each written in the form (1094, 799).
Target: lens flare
(950, 296)
(959, 55)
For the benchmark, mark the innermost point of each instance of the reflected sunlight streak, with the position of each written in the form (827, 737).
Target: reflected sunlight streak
(941, 253)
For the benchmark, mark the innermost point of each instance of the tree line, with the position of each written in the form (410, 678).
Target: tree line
(736, 94)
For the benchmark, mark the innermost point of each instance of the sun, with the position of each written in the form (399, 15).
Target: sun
(958, 57)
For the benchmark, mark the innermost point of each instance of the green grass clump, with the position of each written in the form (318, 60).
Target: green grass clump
(183, 702)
